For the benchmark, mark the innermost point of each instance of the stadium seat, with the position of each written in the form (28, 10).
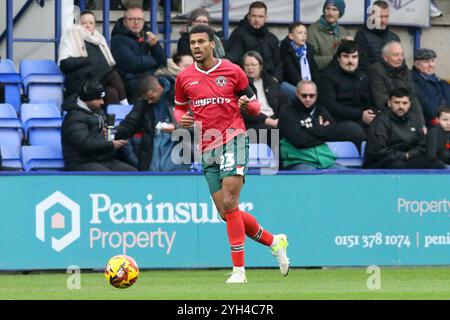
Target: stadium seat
(42, 158)
(40, 117)
(8, 116)
(43, 81)
(11, 157)
(261, 157)
(45, 137)
(120, 111)
(12, 80)
(11, 137)
(346, 152)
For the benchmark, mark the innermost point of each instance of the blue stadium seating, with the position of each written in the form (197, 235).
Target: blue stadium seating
(11, 157)
(346, 152)
(120, 111)
(8, 116)
(261, 156)
(12, 80)
(11, 137)
(40, 120)
(363, 148)
(36, 158)
(43, 81)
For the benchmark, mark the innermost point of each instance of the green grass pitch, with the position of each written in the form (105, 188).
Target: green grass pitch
(339, 283)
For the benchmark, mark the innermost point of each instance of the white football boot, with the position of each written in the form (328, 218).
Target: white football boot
(279, 252)
(237, 276)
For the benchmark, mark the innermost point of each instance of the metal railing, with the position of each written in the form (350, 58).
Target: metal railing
(166, 28)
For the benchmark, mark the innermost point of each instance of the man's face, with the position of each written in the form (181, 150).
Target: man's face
(134, 20)
(444, 121)
(307, 93)
(331, 14)
(153, 96)
(349, 61)
(427, 67)
(299, 35)
(257, 18)
(201, 47)
(399, 105)
(96, 104)
(380, 17)
(395, 55)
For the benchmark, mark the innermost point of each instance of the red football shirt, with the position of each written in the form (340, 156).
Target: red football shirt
(212, 96)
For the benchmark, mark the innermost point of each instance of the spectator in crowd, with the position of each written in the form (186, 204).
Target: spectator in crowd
(375, 34)
(325, 34)
(136, 50)
(434, 10)
(297, 58)
(304, 128)
(392, 73)
(175, 64)
(396, 139)
(345, 92)
(199, 16)
(432, 91)
(83, 133)
(83, 51)
(272, 100)
(152, 115)
(438, 138)
(252, 34)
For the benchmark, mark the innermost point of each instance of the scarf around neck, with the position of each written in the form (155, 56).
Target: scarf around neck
(333, 29)
(301, 53)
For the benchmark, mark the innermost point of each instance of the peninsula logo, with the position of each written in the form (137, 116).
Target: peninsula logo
(398, 4)
(46, 208)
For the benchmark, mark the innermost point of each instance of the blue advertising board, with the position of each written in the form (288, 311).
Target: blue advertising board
(169, 221)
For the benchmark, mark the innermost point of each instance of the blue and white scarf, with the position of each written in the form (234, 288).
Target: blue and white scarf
(304, 64)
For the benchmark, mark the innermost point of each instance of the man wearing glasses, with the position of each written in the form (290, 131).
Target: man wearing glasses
(135, 49)
(305, 127)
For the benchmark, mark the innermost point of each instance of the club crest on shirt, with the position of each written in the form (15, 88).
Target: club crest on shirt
(221, 81)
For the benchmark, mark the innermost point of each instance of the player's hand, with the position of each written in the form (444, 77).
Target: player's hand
(117, 144)
(187, 120)
(152, 39)
(243, 103)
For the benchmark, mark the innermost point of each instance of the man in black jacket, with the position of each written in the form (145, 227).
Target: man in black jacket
(83, 133)
(345, 92)
(375, 34)
(396, 139)
(253, 34)
(136, 50)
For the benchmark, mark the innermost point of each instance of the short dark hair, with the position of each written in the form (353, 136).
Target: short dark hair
(347, 46)
(85, 12)
(294, 25)
(148, 83)
(381, 4)
(400, 92)
(443, 109)
(201, 28)
(257, 5)
(176, 58)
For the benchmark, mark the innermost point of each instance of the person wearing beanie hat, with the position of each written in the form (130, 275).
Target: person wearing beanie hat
(199, 16)
(326, 33)
(432, 91)
(339, 4)
(83, 132)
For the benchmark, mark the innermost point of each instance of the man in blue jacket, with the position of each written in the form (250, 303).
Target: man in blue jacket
(135, 49)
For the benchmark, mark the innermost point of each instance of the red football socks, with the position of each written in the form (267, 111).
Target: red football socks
(236, 236)
(255, 231)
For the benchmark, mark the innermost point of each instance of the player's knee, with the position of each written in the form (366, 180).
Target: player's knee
(230, 201)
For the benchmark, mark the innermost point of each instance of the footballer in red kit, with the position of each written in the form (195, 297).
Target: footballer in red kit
(212, 93)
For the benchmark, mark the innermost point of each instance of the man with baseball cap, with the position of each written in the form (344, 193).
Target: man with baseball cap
(432, 91)
(83, 133)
